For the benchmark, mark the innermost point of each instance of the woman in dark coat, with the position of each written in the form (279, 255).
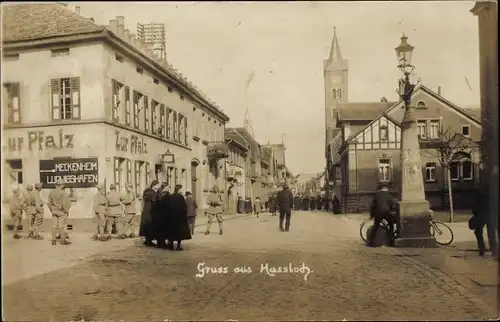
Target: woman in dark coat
(160, 215)
(272, 205)
(177, 222)
(149, 199)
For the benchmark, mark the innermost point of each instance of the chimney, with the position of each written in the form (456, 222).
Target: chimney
(77, 9)
(113, 25)
(439, 90)
(121, 20)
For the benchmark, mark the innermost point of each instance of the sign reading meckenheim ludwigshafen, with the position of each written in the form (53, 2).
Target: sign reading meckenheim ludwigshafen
(76, 173)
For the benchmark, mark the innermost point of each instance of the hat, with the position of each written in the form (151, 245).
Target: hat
(129, 185)
(154, 183)
(382, 185)
(163, 184)
(215, 188)
(112, 186)
(29, 187)
(188, 193)
(60, 183)
(101, 186)
(178, 186)
(38, 186)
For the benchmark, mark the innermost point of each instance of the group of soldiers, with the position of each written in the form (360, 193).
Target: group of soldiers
(33, 205)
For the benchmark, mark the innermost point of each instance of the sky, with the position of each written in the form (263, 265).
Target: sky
(280, 47)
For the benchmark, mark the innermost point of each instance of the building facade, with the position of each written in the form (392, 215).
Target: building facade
(235, 167)
(371, 149)
(99, 109)
(487, 13)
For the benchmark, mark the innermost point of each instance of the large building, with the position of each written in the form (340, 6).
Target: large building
(370, 153)
(91, 104)
(236, 166)
(487, 13)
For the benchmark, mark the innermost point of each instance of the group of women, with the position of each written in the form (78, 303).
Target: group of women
(164, 217)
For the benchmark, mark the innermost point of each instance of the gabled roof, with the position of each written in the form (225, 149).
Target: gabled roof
(35, 21)
(361, 111)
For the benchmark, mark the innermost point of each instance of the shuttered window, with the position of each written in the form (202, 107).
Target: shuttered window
(117, 97)
(168, 112)
(129, 171)
(12, 102)
(147, 115)
(127, 105)
(148, 174)
(136, 99)
(162, 120)
(186, 131)
(65, 98)
(174, 125)
(154, 121)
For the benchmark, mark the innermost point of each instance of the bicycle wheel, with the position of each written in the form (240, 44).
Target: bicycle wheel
(363, 229)
(443, 234)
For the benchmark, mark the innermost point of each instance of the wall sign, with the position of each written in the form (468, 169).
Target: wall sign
(76, 173)
(133, 143)
(39, 140)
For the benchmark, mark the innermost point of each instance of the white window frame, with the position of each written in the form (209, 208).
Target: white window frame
(59, 85)
(422, 129)
(468, 130)
(462, 170)
(11, 99)
(434, 125)
(385, 170)
(430, 172)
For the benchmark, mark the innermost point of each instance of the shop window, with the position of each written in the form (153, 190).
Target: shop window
(430, 172)
(11, 100)
(118, 89)
(65, 98)
(118, 171)
(384, 170)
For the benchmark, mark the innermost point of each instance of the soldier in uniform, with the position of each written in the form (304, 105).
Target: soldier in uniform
(128, 200)
(59, 206)
(38, 203)
(99, 207)
(191, 211)
(30, 209)
(114, 212)
(214, 210)
(16, 211)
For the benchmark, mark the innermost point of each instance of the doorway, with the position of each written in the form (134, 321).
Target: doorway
(194, 180)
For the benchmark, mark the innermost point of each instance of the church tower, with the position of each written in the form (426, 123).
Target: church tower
(335, 70)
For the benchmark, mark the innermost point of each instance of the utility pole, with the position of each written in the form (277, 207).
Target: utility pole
(284, 152)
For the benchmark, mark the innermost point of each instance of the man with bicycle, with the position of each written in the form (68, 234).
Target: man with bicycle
(382, 207)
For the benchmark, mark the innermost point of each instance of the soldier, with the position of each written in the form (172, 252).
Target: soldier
(114, 213)
(128, 200)
(59, 206)
(38, 203)
(215, 209)
(191, 211)
(16, 211)
(99, 207)
(30, 209)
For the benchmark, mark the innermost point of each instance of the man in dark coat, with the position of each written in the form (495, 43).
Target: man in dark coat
(478, 220)
(319, 202)
(312, 203)
(305, 203)
(149, 199)
(272, 205)
(285, 201)
(178, 228)
(336, 205)
(296, 203)
(381, 208)
(161, 212)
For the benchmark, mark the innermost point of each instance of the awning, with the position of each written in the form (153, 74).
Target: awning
(217, 151)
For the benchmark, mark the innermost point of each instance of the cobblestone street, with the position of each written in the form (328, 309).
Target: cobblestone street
(347, 280)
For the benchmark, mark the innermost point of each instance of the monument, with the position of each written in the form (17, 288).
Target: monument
(412, 209)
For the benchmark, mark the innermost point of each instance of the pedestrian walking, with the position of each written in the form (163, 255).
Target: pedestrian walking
(258, 206)
(478, 219)
(130, 222)
(149, 199)
(59, 206)
(178, 229)
(336, 205)
(215, 209)
(191, 211)
(240, 205)
(16, 211)
(381, 208)
(114, 212)
(99, 207)
(285, 204)
(272, 205)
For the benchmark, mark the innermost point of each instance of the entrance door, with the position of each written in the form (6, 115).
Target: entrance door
(194, 180)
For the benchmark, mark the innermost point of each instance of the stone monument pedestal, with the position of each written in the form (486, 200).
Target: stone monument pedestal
(414, 225)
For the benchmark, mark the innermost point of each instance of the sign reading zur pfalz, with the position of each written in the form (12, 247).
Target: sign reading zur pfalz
(75, 173)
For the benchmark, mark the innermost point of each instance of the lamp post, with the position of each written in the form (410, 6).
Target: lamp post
(413, 208)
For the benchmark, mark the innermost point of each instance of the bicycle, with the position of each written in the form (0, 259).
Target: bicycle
(437, 229)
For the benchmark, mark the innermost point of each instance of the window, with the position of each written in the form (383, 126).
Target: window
(186, 131)
(434, 130)
(148, 174)
(59, 52)
(422, 129)
(15, 168)
(465, 130)
(65, 98)
(10, 57)
(11, 100)
(170, 89)
(147, 116)
(127, 105)
(339, 93)
(466, 169)
(168, 122)
(117, 89)
(138, 106)
(430, 172)
(421, 104)
(138, 177)
(129, 171)
(162, 120)
(454, 170)
(157, 82)
(170, 173)
(384, 169)
(154, 126)
(383, 133)
(118, 171)
(334, 93)
(174, 125)
(181, 97)
(180, 125)
(195, 126)
(119, 58)
(139, 70)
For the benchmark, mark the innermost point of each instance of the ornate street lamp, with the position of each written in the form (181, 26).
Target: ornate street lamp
(413, 208)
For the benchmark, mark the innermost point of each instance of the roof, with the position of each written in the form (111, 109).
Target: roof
(255, 151)
(35, 21)
(362, 111)
(236, 138)
(476, 112)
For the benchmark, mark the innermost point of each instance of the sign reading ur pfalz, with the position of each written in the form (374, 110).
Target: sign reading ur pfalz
(76, 173)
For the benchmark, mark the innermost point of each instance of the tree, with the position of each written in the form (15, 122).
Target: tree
(448, 147)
